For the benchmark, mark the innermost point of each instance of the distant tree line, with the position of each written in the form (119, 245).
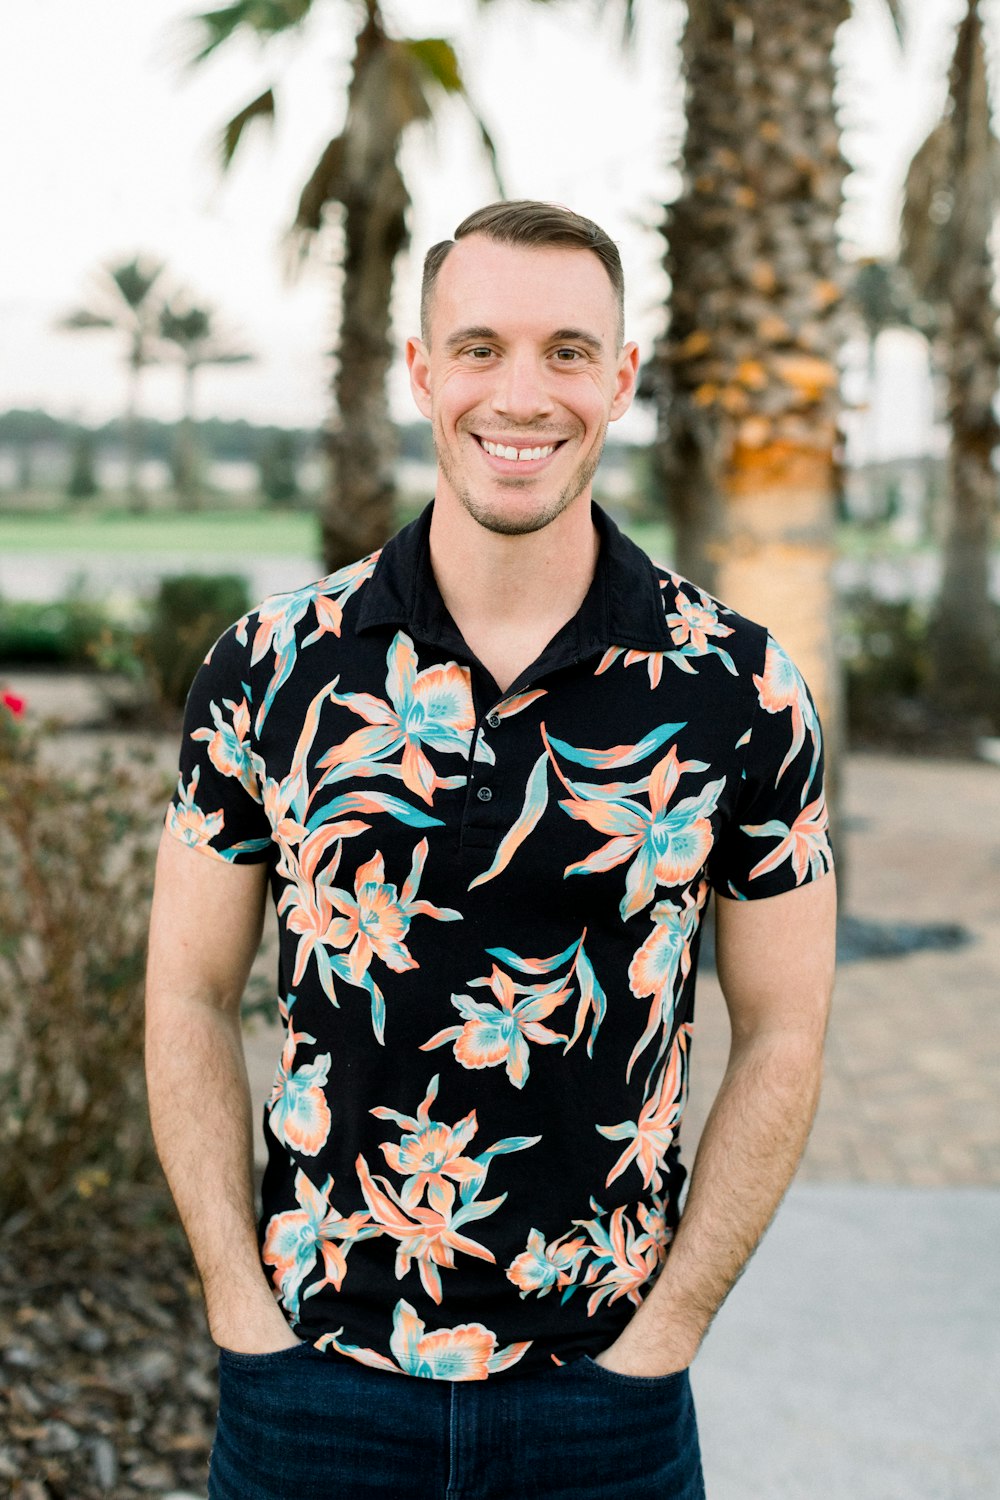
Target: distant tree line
(278, 452)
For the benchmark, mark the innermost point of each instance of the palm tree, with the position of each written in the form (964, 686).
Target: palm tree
(951, 199)
(193, 333)
(746, 378)
(393, 84)
(125, 302)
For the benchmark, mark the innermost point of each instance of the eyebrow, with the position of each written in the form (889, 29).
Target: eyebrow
(578, 336)
(560, 336)
(467, 335)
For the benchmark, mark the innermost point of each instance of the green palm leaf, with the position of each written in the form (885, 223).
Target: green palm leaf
(436, 57)
(264, 17)
(261, 108)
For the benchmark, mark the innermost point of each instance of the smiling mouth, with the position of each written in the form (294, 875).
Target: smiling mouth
(515, 453)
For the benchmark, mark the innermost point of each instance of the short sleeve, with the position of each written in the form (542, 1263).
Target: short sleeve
(218, 806)
(777, 837)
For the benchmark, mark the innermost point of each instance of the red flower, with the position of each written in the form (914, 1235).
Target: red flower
(12, 702)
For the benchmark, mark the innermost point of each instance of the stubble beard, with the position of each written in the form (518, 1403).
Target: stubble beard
(493, 518)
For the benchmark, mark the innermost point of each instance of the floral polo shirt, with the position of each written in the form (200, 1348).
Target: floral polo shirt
(489, 907)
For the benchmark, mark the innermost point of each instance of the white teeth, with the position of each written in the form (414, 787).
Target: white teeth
(500, 450)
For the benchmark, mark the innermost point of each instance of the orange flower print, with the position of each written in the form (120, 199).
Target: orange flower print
(620, 1257)
(653, 1133)
(653, 659)
(663, 959)
(492, 1035)
(307, 899)
(664, 844)
(294, 1241)
(429, 1152)
(468, 1352)
(297, 1108)
(187, 822)
(499, 1033)
(432, 1159)
(781, 688)
(541, 1267)
(374, 923)
(229, 747)
(432, 710)
(805, 843)
(691, 625)
(279, 616)
(624, 1259)
(428, 1236)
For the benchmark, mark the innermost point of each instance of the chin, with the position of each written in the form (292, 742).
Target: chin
(515, 520)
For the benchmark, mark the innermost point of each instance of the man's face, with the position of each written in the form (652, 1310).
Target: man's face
(521, 376)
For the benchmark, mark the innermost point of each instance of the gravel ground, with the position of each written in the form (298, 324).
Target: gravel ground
(108, 1373)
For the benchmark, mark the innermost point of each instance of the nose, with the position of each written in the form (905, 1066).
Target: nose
(521, 393)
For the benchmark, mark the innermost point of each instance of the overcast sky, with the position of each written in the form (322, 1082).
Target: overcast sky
(108, 149)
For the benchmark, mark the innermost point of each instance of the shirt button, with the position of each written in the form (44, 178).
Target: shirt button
(493, 720)
(484, 794)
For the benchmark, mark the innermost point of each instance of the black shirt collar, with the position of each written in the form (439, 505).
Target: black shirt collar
(622, 607)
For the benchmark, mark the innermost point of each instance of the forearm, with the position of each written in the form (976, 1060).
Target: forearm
(199, 1100)
(750, 1147)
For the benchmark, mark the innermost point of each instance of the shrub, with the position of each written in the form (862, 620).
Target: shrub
(64, 633)
(75, 878)
(189, 613)
(891, 696)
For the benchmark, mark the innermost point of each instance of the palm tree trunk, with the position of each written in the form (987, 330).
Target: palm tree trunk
(964, 647)
(746, 376)
(359, 511)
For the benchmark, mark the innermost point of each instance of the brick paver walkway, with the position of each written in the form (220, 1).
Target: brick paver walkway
(912, 1090)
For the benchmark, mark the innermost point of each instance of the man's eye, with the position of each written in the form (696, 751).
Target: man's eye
(568, 356)
(480, 352)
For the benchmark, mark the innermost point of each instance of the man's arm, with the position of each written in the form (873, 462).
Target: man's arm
(775, 960)
(205, 929)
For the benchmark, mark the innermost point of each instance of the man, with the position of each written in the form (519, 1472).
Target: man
(491, 776)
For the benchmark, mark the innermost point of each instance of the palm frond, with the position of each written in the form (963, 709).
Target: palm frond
(261, 108)
(135, 279)
(189, 325)
(84, 318)
(628, 22)
(228, 357)
(436, 57)
(928, 204)
(264, 17)
(326, 185)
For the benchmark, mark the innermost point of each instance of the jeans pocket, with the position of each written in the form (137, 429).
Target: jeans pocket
(239, 1360)
(675, 1380)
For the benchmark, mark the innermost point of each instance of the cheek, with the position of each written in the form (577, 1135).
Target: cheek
(457, 404)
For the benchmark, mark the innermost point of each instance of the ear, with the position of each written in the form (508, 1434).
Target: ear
(418, 364)
(625, 381)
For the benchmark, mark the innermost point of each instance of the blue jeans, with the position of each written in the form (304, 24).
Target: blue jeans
(300, 1425)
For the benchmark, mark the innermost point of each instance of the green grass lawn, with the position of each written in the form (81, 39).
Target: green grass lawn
(221, 533)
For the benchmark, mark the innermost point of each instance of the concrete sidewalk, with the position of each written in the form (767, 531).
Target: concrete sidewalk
(859, 1357)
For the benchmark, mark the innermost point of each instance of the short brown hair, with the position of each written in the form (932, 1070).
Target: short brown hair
(526, 221)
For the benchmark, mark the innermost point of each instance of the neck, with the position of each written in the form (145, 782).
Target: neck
(509, 595)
